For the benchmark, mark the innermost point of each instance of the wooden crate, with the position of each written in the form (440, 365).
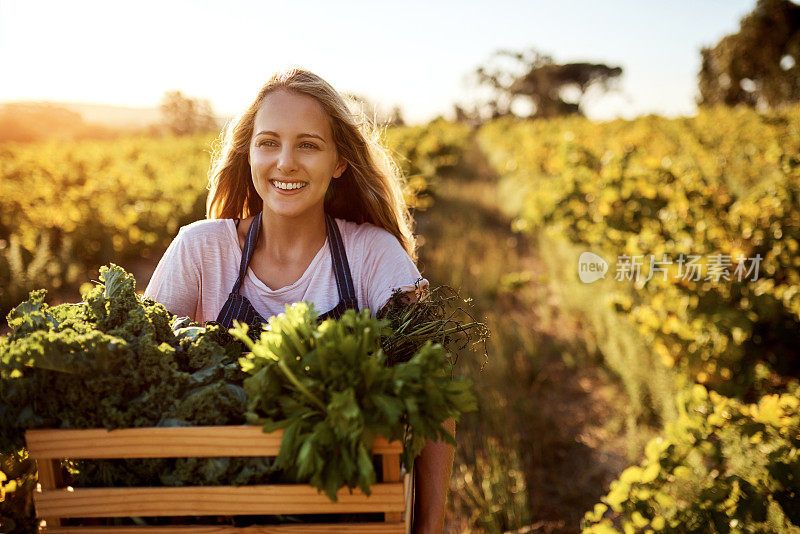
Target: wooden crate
(55, 501)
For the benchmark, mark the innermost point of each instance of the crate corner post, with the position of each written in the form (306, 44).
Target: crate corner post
(50, 479)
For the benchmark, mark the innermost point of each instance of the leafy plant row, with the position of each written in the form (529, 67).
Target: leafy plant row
(721, 466)
(723, 186)
(67, 208)
(425, 152)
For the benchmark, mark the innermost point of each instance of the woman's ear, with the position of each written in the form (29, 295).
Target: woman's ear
(340, 168)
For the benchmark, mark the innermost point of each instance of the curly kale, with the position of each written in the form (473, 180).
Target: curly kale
(113, 361)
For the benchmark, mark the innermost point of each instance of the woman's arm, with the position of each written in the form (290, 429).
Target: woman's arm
(432, 471)
(433, 468)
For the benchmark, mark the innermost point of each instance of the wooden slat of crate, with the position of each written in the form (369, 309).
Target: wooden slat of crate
(319, 528)
(48, 446)
(214, 500)
(391, 473)
(165, 442)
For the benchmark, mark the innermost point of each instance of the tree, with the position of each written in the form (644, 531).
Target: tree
(184, 115)
(760, 65)
(469, 116)
(549, 88)
(396, 117)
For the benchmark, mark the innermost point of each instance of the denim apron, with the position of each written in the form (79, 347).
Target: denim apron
(239, 307)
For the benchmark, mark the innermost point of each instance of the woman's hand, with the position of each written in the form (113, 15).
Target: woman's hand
(406, 298)
(433, 469)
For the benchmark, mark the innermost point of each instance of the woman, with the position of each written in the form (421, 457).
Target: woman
(303, 206)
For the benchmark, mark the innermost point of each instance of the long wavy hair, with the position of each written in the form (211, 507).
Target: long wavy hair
(369, 190)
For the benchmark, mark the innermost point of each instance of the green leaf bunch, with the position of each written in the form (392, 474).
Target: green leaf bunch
(328, 386)
(111, 361)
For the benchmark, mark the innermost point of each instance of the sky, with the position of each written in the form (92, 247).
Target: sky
(410, 53)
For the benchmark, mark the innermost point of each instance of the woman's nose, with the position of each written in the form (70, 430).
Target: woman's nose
(286, 160)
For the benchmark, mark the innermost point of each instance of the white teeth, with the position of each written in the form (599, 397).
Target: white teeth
(288, 186)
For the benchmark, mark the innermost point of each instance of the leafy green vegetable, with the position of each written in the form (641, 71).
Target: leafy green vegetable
(118, 360)
(331, 390)
(114, 361)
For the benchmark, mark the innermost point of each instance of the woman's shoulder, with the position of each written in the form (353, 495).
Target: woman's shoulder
(363, 230)
(205, 231)
(366, 234)
(206, 226)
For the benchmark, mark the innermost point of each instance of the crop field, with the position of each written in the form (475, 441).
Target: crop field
(659, 394)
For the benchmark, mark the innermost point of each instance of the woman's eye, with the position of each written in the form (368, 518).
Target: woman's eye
(271, 143)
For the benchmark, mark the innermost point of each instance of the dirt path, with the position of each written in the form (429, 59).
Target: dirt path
(543, 397)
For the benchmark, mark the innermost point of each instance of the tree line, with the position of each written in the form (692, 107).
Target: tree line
(758, 66)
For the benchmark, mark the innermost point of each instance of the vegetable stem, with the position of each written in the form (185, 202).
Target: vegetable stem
(300, 387)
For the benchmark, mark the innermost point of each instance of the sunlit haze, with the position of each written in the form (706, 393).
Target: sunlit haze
(412, 54)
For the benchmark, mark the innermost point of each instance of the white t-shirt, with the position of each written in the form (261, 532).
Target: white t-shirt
(198, 270)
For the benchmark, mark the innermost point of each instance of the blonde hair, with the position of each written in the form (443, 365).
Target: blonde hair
(369, 190)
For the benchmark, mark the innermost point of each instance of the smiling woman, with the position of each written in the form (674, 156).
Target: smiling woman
(304, 205)
(306, 174)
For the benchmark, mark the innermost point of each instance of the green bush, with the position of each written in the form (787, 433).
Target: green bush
(721, 466)
(725, 182)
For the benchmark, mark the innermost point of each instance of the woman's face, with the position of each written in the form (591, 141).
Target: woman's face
(292, 155)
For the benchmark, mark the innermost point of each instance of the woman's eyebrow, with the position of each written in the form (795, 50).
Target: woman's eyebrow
(270, 132)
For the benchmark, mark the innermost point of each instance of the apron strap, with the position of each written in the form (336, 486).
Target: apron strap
(247, 252)
(341, 268)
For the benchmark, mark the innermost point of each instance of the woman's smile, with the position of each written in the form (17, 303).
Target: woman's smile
(288, 188)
